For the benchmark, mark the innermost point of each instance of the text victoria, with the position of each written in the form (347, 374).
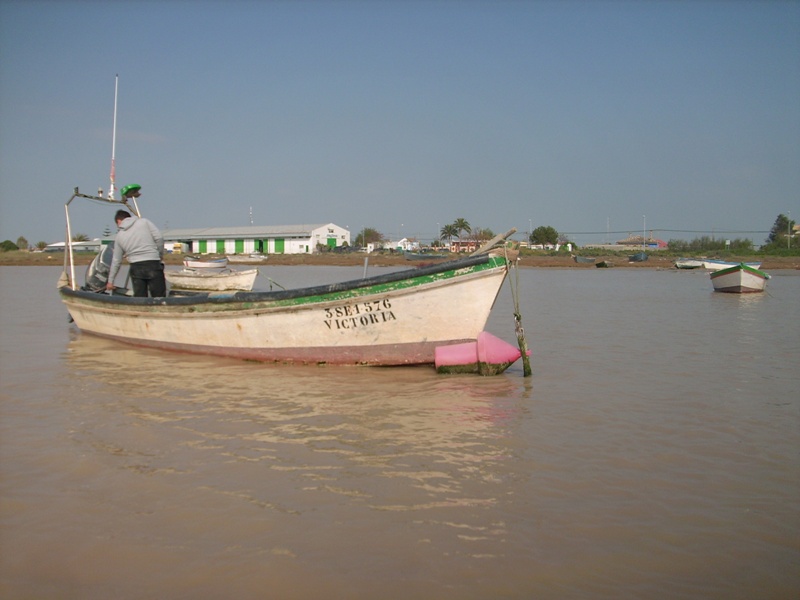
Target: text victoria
(363, 314)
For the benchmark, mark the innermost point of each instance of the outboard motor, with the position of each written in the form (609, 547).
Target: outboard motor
(97, 273)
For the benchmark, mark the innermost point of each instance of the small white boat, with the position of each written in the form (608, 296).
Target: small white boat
(689, 263)
(255, 257)
(715, 265)
(739, 279)
(211, 280)
(584, 259)
(195, 262)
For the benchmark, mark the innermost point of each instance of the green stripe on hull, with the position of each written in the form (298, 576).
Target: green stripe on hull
(233, 302)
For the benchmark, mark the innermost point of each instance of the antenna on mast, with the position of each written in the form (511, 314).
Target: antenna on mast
(112, 188)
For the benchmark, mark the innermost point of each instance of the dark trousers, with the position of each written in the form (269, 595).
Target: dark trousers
(148, 276)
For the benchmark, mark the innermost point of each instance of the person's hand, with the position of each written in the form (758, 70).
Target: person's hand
(110, 286)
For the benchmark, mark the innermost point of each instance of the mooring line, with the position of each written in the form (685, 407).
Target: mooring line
(523, 345)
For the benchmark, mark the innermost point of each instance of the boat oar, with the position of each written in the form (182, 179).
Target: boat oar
(523, 345)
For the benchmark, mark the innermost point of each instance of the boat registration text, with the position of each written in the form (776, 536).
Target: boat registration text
(362, 314)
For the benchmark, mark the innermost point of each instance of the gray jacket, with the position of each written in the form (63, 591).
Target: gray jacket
(138, 240)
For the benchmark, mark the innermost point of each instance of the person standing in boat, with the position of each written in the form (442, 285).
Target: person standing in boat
(142, 244)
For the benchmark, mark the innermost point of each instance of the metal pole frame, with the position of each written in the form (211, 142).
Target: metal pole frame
(69, 258)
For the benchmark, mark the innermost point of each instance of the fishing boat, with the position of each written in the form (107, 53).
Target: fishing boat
(255, 257)
(715, 265)
(212, 280)
(739, 279)
(689, 263)
(197, 262)
(583, 259)
(638, 257)
(397, 318)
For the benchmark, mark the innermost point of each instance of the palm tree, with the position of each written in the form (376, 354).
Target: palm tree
(462, 225)
(449, 232)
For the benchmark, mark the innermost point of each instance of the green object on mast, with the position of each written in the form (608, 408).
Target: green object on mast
(130, 190)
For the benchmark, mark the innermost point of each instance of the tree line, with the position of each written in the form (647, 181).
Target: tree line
(781, 237)
(459, 229)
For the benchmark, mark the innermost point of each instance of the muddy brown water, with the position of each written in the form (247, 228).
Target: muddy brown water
(652, 454)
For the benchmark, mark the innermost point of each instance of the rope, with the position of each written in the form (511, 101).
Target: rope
(518, 329)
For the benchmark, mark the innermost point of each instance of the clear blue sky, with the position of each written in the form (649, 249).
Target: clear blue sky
(404, 116)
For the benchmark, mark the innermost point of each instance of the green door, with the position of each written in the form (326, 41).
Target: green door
(239, 246)
(203, 246)
(279, 242)
(220, 246)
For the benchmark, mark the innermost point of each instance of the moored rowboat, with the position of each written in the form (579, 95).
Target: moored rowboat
(247, 258)
(713, 264)
(584, 259)
(194, 262)
(739, 279)
(688, 263)
(213, 280)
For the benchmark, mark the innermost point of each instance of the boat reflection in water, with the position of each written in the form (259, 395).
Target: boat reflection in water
(200, 411)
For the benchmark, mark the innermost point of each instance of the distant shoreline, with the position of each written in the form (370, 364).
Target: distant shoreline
(30, 259)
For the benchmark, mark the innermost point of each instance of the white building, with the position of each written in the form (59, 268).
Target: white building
(404, 245)
(278, 239)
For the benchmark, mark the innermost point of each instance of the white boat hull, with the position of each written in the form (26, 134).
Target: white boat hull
(739, 279)
(689, 263)
(211, 279)
(195, 263)
(245, 258)
(393, 319)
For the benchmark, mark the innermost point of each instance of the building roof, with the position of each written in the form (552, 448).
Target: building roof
(251, 231)
(638, 240)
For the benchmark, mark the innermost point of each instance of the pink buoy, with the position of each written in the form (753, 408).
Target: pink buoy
(493, 350)
(488, 355)
(456, 354)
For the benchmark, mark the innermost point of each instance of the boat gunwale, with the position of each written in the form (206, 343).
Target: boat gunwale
(240, 298)
(740, 267)
(237, 309)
